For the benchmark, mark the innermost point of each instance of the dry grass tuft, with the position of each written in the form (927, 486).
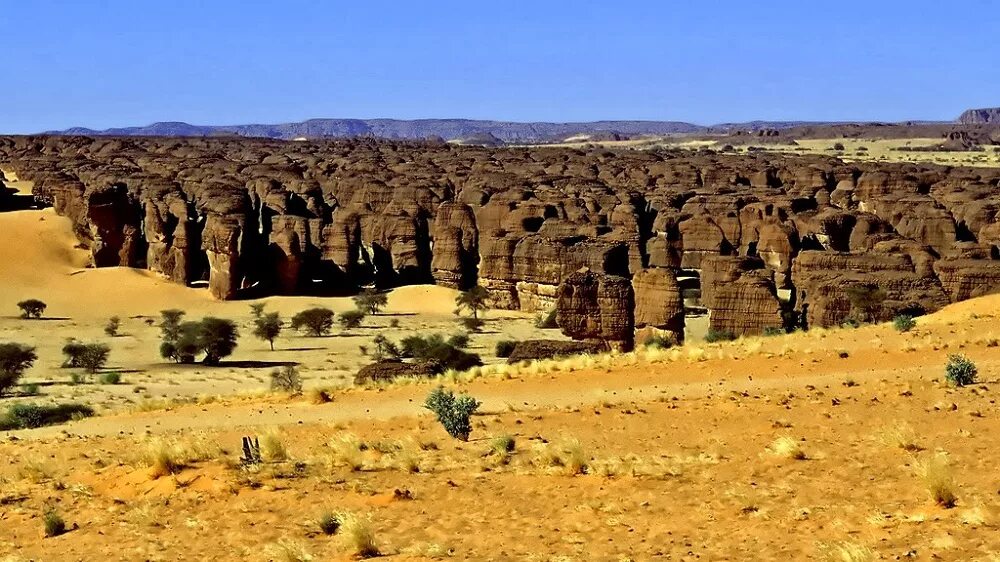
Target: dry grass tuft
(788, 448)
(937, 478)
(347, 450)
(165, 457)
(358, 535)
(319, 395)
(902, 436)
(272, 447)
(287, 550)
(846, 552)
(567, 454)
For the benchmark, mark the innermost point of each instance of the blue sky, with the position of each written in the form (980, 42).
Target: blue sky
(114, 63)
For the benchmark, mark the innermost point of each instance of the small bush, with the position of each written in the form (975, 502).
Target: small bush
(15, 359)
(771, 332)
(505, 348)
(659, 342)
(31, 389)
(272, 447)
(460, 341)
(54, 524)
(316, 322)
(351, 319)
(502, 445)
(434, 348)
(714, 335)
(328, 523)
(866, 301)
(960, 370)
(386, 349)
(903, 323)
(32, 308)
(394, 323)
(111, 328)
(547, 321)
(838, 146)
(371, 300)
(453, 412)
(30, 416)
(286, 379)
(110, 378)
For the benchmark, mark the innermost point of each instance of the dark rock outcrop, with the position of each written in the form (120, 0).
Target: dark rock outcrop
(531, 350)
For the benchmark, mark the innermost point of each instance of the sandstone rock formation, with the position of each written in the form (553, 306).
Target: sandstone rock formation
(248, 217)
(593, 306)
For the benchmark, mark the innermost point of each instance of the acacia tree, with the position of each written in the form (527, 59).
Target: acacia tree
(267, 327)
(316, 321)
(31, 308)
(371, 301)
(217, 339)
(15, 359)
(473, 300)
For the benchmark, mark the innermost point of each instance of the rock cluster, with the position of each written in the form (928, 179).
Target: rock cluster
(771, 238)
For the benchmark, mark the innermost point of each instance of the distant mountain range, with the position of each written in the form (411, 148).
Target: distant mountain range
(477, 131)
(472, 131)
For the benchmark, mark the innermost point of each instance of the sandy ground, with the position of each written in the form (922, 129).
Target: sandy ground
(667, 455)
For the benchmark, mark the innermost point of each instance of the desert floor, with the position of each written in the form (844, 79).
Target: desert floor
(681, 454)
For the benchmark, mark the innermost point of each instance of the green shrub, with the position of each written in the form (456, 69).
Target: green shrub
(505, 348)
(453, 412)
(460, 341)
(215, 337)
(54, 524)
(659, 342)
(31, 308)
(371, 300)
(30, 389)
(286, 379)
(960, 370)
(29, 416)
(15, 359)
(436, 349)
(772, 331)
(714, 335)
(547, 321)
(316, 321)
(351, 319)
(904, 323)
(110, 378)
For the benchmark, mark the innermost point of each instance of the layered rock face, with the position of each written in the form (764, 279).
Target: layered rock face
(254, 217)
(593, 306)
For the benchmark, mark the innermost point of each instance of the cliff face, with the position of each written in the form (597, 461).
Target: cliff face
(983, 116)
(256, 217)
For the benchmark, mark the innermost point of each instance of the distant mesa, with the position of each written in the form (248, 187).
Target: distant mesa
(985, 116)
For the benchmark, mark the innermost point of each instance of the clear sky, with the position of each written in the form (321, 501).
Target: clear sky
(111, 63)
